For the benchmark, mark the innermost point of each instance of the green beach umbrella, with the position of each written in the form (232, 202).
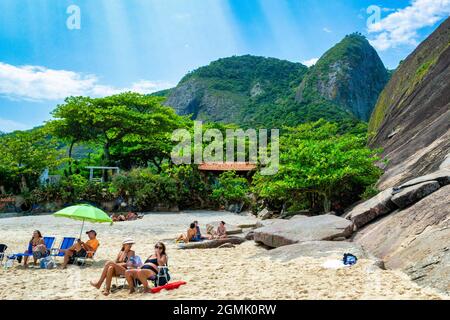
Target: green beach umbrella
(84, 212)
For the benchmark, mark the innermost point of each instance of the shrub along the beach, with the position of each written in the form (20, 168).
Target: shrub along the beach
(319, 164)
(231, 188)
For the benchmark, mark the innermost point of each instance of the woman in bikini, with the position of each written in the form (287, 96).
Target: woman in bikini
(149, 269)
(38, 248)
(116, 268)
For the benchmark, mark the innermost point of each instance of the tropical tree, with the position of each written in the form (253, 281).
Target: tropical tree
(318, 163)
(24, 155)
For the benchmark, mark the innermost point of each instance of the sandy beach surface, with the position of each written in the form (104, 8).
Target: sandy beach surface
(232, 273)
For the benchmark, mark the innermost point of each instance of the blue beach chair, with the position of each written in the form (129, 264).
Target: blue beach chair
(49, 241)
(65, 244)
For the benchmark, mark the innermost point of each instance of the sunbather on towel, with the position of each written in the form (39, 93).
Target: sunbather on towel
(190, 234)
(38, 248)
(81, 249)
(149, 269)
(116, 268)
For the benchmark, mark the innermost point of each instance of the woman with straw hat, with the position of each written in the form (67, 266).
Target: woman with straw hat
(116, 268)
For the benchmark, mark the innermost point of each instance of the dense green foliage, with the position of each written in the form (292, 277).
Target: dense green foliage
(316, 162)
(231, 188)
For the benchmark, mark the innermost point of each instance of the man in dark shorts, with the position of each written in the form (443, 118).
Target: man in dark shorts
(81, 249)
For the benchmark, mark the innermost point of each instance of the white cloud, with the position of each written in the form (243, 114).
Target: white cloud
(310, 62)
(401, 27)
(325, 29)
(10, 125)
(36, 83)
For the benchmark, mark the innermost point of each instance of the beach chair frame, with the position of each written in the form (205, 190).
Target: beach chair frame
(65, 244)
(85, 261)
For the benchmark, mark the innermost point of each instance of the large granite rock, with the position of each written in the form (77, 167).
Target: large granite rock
(414, 193)
(324, 227)
(269, 222)
(441, 176)
(231, 229)
(211, 244)
(265, 214)
(371, 209)
(416, 240)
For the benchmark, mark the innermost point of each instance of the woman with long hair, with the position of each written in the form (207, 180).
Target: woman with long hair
(149, 269)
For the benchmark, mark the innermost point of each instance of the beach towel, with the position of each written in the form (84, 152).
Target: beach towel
(168, 286)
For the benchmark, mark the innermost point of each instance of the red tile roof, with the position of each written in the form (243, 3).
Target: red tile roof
(227, 166)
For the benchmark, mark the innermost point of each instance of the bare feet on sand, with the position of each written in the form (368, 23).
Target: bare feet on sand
(95, 284)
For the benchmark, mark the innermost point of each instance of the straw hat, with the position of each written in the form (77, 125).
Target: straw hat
(128, 241)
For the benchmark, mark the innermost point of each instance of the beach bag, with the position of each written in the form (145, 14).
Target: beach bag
(47, 263)
(162, 278)
(349, 259)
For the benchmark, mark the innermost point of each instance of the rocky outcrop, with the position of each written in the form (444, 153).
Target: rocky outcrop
(411, 119)
(324, 227)
(414, 193)
(371, 209)
(233, 89)
(415, 240)
(350, 75)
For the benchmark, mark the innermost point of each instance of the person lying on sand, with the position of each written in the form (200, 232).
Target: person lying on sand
(190, 234)
(81, 249)
(149, 269)
(116, 268)
(38, 248)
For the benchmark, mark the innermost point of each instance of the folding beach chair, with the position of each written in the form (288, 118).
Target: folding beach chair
(49, 241)
(3, 248)
(84, 261)
(65, 244)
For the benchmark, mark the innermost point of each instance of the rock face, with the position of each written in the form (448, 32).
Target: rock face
(350, 75)
(441, 176)
(369, 210)
(265, 214)
(415, 240)
(411, 119)
(414, 193)
(269, 222)
(325, 227)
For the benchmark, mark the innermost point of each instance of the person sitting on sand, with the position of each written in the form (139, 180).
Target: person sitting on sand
(116, 268)
(38, 248)
(116, 217)
(190, 234)
(149, 269)
(221, 232)
(81, 249)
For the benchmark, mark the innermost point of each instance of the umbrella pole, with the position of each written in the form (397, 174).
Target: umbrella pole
(81, 232)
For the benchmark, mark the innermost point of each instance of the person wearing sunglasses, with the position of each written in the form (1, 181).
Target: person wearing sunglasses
(149, 269)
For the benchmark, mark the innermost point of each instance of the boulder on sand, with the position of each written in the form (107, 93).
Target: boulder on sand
(412, 194)
(367, 211)
(211, 244)
(231, 229)
(324, 227)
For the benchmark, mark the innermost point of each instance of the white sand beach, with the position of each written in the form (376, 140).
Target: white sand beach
(232, 273)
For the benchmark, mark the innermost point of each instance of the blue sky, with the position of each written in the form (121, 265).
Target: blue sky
(147, 45)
